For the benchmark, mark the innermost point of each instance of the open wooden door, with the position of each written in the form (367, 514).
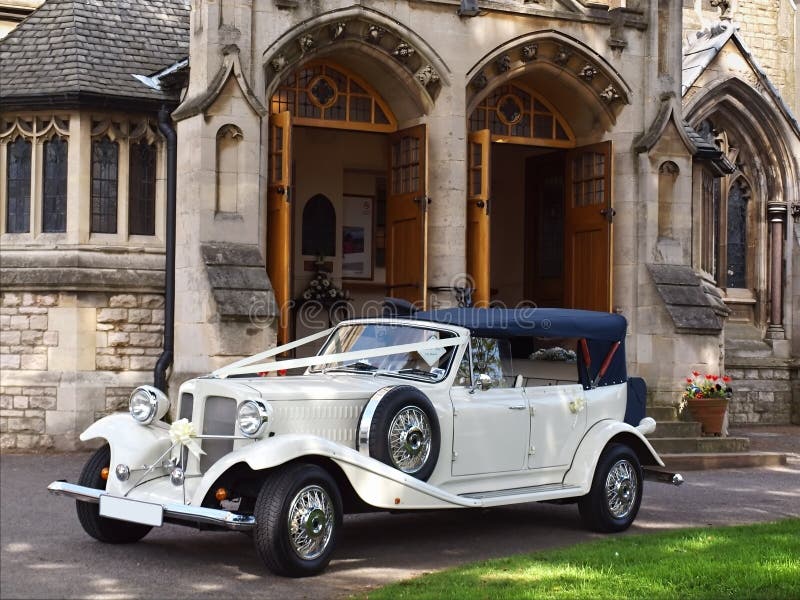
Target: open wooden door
(587, 229)
(478, 190)
(406, 207)
(279, 218)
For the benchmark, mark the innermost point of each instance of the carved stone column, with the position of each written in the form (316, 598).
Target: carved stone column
(776, 214)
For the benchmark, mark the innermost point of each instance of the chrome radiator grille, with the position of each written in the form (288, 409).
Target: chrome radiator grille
(219, 418)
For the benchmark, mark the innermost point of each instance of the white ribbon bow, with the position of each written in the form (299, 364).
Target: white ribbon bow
(181, 432)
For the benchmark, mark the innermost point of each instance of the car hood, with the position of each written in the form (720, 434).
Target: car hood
(330, 386)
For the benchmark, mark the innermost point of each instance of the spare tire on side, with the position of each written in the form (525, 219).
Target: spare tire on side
(399, 427)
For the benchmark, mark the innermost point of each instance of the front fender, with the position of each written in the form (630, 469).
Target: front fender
(581, 472)
(131, 443)
(376, 484)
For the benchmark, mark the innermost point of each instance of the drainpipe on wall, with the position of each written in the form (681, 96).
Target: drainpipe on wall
(165, 360)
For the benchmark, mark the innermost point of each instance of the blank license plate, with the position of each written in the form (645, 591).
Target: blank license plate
(134, 511)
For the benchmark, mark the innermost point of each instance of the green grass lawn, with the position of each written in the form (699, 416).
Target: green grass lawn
(754, 561)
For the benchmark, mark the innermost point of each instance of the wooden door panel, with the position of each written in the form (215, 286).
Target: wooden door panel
(587, 235)
(279, 218)
(478, 224)
(406, 207)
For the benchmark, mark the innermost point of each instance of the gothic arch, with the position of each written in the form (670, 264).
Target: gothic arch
(758, 129)
(588, 75)
(365, 41)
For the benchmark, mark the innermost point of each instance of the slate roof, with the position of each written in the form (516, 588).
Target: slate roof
(72, 51)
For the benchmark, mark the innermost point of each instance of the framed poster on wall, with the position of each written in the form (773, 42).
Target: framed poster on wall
(357, 245)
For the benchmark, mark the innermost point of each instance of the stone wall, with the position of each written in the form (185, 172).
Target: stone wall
(762, 392)
(69, 358)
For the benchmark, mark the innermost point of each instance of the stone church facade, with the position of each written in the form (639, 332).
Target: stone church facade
(637, 157)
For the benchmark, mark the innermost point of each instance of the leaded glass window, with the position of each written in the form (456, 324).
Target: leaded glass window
(736, 271)
(142, 189)
(18, 169)
(105, 172)
(54, 191)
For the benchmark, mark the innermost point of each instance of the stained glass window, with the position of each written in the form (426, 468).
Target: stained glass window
(105, 163)
(142, 189)
(736, 272)
(18, 165)
(54, 193)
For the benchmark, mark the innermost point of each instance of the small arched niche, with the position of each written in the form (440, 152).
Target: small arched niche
(227, 195)
(319, 227)
(667, 176)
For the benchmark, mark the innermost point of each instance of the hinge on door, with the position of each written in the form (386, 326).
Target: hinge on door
(455, 456)
(423, 201)
(531, 451)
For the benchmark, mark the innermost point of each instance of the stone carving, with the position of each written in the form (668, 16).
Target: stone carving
(480, 81)
(588, 72)
(562, 56)
(724, 8)
(427, 75)
(530, 52)
(609, 94)
(278, 63)
(306, 42)
(503, 63)
(375, 34)
(337, 30)
(403, 51)
(668, 168)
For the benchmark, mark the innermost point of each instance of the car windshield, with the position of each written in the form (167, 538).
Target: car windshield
(429, 364)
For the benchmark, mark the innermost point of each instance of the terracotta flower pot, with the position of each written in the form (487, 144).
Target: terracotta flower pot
(710, 412)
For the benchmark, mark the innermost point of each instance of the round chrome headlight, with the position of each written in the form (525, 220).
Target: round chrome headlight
(251, 417)
(147, 404)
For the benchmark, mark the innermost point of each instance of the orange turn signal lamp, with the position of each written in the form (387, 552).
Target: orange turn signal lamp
(221, 494)
(104, 474)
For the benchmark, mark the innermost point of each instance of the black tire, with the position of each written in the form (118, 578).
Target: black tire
(407, 400)
(110, 531)
(613, 510)
(282, 552)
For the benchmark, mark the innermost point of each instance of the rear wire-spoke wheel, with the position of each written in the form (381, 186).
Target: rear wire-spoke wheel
(298, 517)
(616, 493)
(100, 528)
(410, 439)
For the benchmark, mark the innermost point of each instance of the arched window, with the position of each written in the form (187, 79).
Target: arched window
(514, 114)
(18, 186)
(142, 188)
(319, 227)
(736, 241)
(667, 175)
(105, 174)
(54, 190)
(324, 95)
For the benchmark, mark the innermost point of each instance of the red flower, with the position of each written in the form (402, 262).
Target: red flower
(696, 373)
(688, 380)
(262, 373)
(281, 372)
(699, 395)
(726, 379)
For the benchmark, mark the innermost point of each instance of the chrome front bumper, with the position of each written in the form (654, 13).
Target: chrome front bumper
(178, 512)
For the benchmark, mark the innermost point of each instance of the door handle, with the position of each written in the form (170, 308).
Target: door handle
(608, 214)
(517, 407)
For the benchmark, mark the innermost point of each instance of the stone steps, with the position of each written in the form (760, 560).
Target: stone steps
(676, 429)
(694, 445)
(722, 460)
(662, 413)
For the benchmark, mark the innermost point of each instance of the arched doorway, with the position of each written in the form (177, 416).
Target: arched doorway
(539, 204)
(333, 134)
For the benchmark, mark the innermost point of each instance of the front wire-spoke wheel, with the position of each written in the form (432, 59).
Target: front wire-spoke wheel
(616, 493)
(298, 517)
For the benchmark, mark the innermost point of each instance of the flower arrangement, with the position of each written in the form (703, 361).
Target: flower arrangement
(321, 289)
(706, 386)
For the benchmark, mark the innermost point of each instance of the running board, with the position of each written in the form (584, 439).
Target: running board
(534, 493)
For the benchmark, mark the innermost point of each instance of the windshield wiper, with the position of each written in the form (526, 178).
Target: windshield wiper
(416, 371)
(356, 366)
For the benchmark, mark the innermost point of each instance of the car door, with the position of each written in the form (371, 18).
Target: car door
(491, 427)
(558, 422)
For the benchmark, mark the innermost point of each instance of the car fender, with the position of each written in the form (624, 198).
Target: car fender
(375, 483)
(131, 443)
(581, 472)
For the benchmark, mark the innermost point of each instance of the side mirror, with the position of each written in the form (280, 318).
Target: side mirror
(482, 381)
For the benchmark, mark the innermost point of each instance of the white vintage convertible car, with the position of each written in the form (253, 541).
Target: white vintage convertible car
(457, 408)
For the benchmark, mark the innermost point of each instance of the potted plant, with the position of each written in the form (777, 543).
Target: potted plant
(706, 397)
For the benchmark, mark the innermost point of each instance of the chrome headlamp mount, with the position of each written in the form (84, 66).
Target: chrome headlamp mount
(147, 404)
